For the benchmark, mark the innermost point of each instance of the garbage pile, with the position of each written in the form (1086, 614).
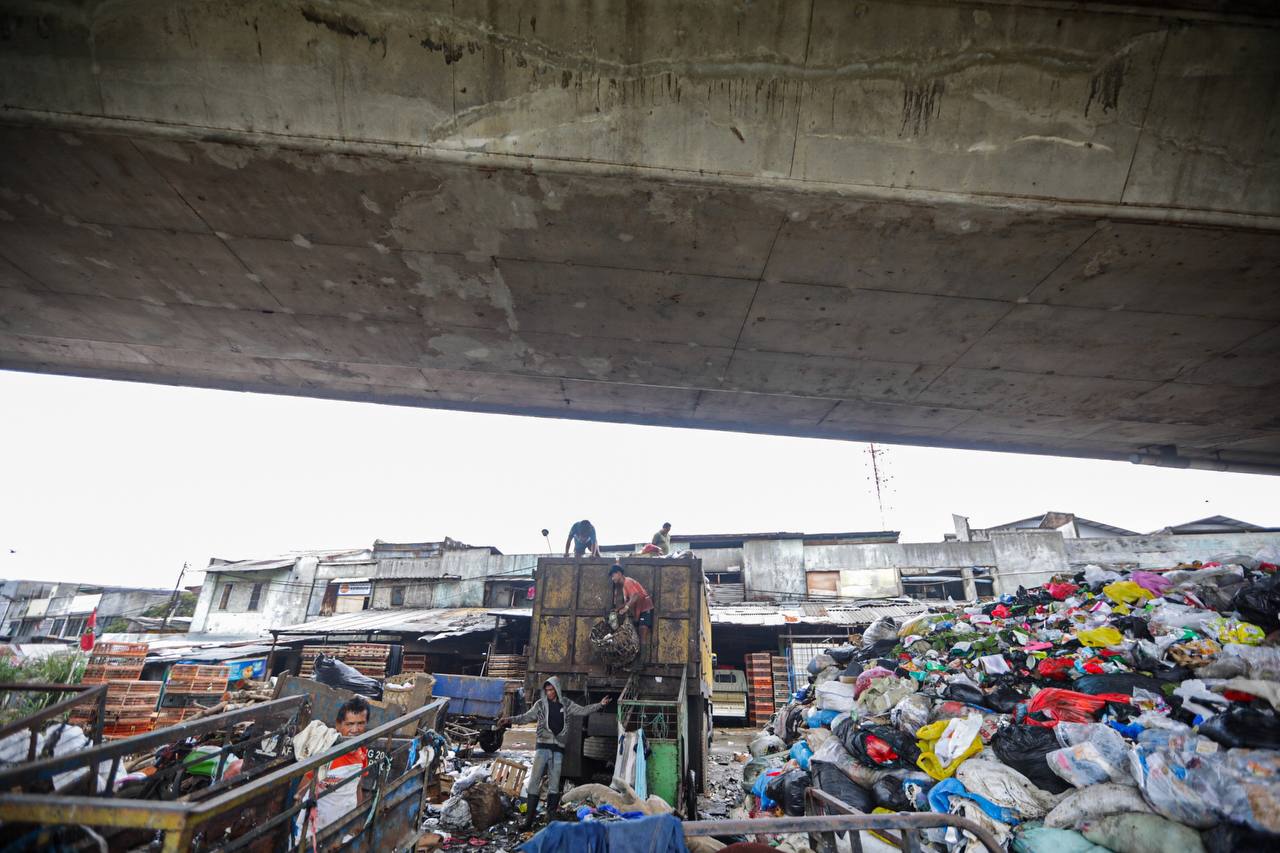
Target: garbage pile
(1130, 712)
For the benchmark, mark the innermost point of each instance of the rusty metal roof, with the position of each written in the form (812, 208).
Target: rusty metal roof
(436, 622)
(766, 614)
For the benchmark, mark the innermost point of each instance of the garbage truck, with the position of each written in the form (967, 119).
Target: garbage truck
(666, 695)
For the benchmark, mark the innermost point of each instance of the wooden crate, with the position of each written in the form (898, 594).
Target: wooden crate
(128, 703)
(511, 667)
(413, 663)
(367, 658)
(115, 662)
(508, 775)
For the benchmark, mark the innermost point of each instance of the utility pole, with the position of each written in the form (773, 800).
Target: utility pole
(173, 602)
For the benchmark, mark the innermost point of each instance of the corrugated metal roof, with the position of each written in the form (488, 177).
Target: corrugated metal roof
(442, 622)
(765, 614)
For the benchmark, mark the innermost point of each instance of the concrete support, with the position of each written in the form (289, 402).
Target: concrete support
(1027, 558)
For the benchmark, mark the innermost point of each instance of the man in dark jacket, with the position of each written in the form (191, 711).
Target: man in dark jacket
(552, 713)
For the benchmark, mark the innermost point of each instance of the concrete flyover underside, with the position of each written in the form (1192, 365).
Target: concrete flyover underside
(1043, 227)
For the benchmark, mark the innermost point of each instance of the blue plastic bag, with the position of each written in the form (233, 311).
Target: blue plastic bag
(758, 789)
(822, 719)
(802, 753)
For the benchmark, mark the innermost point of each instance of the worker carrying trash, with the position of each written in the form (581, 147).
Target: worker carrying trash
(552, 713)
(661, 543)
(637, 604)
(582, 537)
(351, 721)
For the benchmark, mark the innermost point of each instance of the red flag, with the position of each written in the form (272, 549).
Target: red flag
(86, 639)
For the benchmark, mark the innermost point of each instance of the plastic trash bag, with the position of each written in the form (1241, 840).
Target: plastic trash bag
(1091, 754)
(911, 713)
(830, 780)
(1162, 778)
(1096, 574)
(1228, 838)
(1097, 638)
(835, 696)
(822, 718)
(1004, 786)
(1024, 749)
(842, 655)
(1242, 726)
(1246, 785)
(788, 790)
(966, 693)
(819, 663)
(1126, 592)
(761, 789)
(1152, 582)
(877, 747)
(889, 794)
(1259, 602)
(756, 767)
(1116, 682)
(864, 679)
(883, 693)
(941, 794)
(1095, 802)
(945, 744)
(1142, 833)
(1043, 839)
(1069, 706)
(766, 745)
(1251, 661)
(801, 752)
(335, 673)
(878, 631)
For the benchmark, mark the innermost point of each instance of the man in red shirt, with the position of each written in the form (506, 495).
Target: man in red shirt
(636, 603)
(352, 719)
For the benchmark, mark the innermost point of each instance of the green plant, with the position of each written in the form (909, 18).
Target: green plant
(59, 668)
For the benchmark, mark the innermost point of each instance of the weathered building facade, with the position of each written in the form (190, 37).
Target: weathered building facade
(32, 610)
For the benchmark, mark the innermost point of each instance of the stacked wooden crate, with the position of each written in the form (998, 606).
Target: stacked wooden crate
(413, 663)
(115, 662)
(369, 658)
(781, 682)
(759, 688)
(130, 706)
(511, 667)
(191, 688)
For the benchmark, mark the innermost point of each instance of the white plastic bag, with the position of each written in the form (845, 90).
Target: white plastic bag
(957, 738)
(1004, 786)
(1091, 755)
(835, 696)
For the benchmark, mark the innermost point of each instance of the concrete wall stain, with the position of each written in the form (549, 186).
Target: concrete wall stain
(921, 103)
(343, 25)
(1104, 87)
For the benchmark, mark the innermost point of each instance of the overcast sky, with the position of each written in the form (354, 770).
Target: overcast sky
(113, 482)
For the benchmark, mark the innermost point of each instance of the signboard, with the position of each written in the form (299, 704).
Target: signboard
(254, 668)
(362, 588)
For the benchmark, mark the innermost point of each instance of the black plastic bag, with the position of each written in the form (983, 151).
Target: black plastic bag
(1259, 602)
(1024, 749)
(868, 753)
(968, 694)
(889, 794)
(842, 654)
(1117, 682)
(830, 779)
(1231, 838)
(335, 673)
(1242, 726)
(877, 650)
(1134, 625)
(788, 791)
(1004, 698)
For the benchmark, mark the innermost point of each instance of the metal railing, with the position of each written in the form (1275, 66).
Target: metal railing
(86, 694)
(827, 816)
(209, 823)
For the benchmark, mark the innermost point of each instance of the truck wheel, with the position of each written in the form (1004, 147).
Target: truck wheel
(491, 740)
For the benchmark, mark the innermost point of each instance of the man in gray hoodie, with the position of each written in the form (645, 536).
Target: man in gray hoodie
(552, 713)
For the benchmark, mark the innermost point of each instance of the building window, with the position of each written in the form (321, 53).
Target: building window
(74, 628)
(724, 577)
(58, 626)
(255, 597)
(226, 596)
(397, 596)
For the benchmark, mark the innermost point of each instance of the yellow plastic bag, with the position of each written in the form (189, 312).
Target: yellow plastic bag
(928, 737)
(1098, 638)
(1126, 592)
(1231, 631)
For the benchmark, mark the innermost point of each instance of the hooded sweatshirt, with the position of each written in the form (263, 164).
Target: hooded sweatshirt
(553, 717)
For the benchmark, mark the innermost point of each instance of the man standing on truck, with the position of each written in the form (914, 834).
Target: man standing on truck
(552, 712)
(663, 539)
(637, 604)
(583, 538)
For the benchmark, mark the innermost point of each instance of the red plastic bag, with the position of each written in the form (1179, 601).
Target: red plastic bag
(1058, 669)
(866, 677)
(1061, 591)
(880, 751)
(1001, 612)
(1067, 706)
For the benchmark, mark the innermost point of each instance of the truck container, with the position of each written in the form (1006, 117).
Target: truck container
(666, 694)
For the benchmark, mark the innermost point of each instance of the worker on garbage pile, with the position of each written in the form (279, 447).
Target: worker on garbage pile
(582, 536)
(552, 712)
(663, 538)
(351, 721)
(637, 603)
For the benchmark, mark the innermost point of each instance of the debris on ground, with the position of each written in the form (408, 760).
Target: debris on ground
(1125, 711)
